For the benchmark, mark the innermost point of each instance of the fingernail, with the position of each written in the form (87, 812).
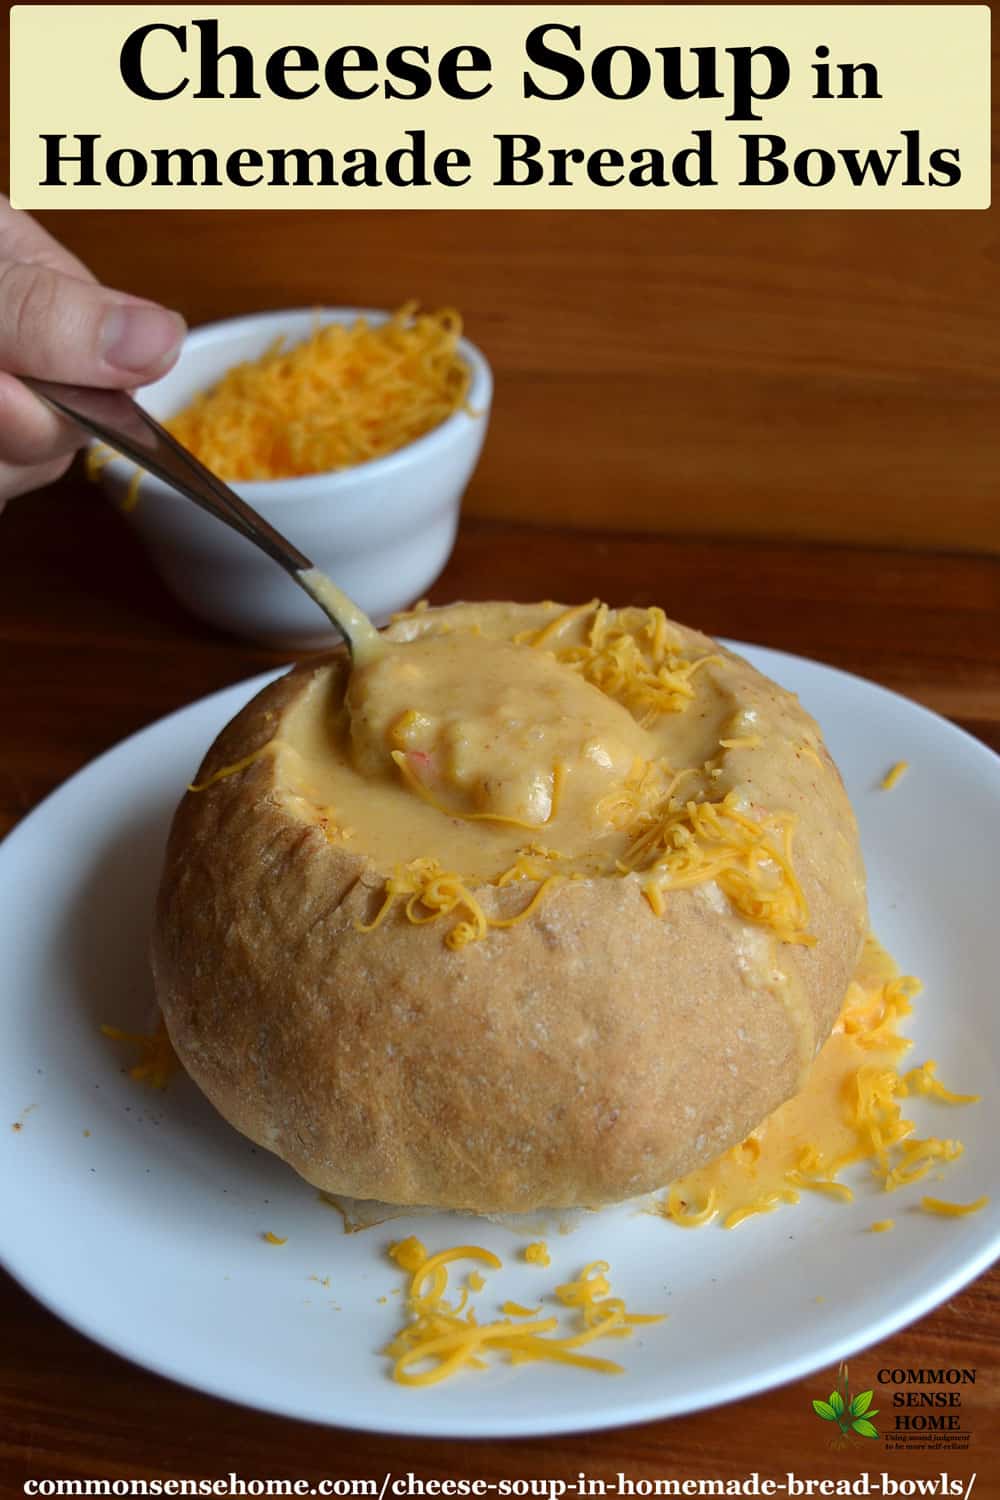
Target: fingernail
(139, 338)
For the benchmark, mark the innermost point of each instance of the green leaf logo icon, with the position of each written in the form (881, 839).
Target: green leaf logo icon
(850, 1414)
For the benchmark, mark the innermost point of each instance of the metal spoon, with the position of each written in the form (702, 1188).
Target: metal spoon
(120, 422)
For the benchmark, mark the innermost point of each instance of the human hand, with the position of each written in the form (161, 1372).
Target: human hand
(58, 323)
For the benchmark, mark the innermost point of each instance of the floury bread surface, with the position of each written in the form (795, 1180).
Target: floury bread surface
(614, 1038)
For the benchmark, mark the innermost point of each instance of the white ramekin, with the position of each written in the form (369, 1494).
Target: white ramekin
(382, 530)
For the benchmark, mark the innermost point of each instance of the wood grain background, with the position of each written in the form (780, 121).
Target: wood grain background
(815, 375)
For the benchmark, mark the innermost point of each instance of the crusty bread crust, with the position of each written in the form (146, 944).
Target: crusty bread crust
(591, 1053)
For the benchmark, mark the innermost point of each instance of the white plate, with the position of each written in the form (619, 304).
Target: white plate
(146, 1233)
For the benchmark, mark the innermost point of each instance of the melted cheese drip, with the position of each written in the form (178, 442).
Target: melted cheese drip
(848, 1112)
(442, 1337)
(365, 642)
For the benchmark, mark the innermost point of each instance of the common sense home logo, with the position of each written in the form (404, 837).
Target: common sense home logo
(852, 1414)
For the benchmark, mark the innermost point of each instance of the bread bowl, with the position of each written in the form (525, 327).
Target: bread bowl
(557, 905)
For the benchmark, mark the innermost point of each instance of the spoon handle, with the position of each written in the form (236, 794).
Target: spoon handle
(120, 422)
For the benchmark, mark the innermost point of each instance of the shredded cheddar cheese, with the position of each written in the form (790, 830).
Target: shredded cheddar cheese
(882, 1226)
(674, 847)
(871, 1014)
(891, 777)
(918, 1157)
(924, 1080)
(97, 457)
(537, 1254)
(132, 492)
(591, 1293)
(443, 1337)
(224, 772)
(763, 1205)
(630, 654)
(527, 866)
(432, 892)
(649, 785)
(849, 1112)
(347, 394)
(749, 859)
(157, 1059)
(826, 1185)
(953, 1210)
(274, 1239)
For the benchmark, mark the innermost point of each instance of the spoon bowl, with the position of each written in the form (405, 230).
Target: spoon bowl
(114, 418)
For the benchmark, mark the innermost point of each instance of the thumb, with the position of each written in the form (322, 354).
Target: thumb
(58, 328)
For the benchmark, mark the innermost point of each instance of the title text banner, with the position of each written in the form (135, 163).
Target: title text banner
(448, 106)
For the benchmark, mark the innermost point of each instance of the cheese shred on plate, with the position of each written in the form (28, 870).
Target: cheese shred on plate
(443, 1336)
(349, 393)
(157, 1061)
(850, 1111)
(952, 1210)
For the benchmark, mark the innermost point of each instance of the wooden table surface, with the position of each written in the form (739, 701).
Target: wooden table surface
(92, 648)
